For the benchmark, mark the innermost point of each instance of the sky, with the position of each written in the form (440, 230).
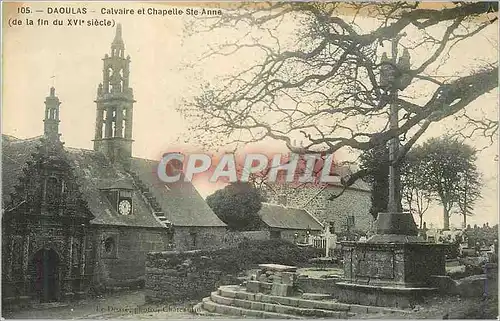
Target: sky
(69, 58)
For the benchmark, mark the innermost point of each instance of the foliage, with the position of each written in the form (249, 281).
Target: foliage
(468, 190)
(317, 74)
(414, 186)
(351, 234)
(376, 163)
(251, 252)
(442, 168)
(443, 165)
(237, 205)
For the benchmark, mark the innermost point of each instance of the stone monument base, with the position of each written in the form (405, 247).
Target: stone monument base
(389, 274)
(393, 264)
(381, 296)
(393, 267)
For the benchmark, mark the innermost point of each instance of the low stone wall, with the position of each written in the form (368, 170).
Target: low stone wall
(175, 276)
(317, 285)
(233, 238)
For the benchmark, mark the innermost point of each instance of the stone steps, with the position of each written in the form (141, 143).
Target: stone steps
(213, 307)
(199, 310)
(150, 199)
(232, 291)
(277, 308)
(235, 300)
(316, 296)
(237, 293)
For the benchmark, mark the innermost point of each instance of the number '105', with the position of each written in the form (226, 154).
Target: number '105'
(24, 10)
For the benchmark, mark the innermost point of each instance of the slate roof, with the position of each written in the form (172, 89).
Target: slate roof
(15, 153)
(180, 201)
(95, 172)
(359, 185)
(182, 204)
(279, 216)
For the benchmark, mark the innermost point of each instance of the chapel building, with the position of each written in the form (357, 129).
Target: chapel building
(77, 220)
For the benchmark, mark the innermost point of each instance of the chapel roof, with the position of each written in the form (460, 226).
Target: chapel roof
(279, 216)
(181, 203)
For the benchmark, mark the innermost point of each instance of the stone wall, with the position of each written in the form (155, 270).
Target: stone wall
(233, 238)
(290, 235)
(317, 285)
(352, 202)
(173, 276)
(120, 254)
(197, 238)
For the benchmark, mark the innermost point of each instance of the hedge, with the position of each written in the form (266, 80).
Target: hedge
(252, 252)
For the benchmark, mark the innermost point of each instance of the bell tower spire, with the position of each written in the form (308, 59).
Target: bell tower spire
(51, 121)
(117, 46)
(113, 131)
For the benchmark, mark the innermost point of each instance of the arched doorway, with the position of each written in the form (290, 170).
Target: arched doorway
(44, 275)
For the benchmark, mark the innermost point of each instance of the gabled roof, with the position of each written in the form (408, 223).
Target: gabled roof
(123, 183)
(182, 204)
(279, 216)
(95, 173)
(15, 153)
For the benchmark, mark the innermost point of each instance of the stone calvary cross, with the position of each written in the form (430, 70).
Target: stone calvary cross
(395, 263)
(394, 222)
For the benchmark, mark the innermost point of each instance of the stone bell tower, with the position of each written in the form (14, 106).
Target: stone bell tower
(113, 131)
(51, 121)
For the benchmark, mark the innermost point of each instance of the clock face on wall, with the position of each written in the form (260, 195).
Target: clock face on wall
(124, 207)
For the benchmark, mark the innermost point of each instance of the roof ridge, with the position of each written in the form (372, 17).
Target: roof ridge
(78, 148)
(146, 159)
(92, 150)
(276, 215)
(285, 206)
(21, 140)
(9, 136)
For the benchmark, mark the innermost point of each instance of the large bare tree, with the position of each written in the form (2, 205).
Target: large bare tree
(318, 78)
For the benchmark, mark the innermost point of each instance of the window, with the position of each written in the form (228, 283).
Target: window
(193, 238)
(170, 237)
(109, 245)
(350, 221)
(113, 124)
(123, 122)
(332, 227)
(126, 194)
(275, 234)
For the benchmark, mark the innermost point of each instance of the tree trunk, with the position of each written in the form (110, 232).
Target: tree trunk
(465, 221)
(421, 220)
(446, 219)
